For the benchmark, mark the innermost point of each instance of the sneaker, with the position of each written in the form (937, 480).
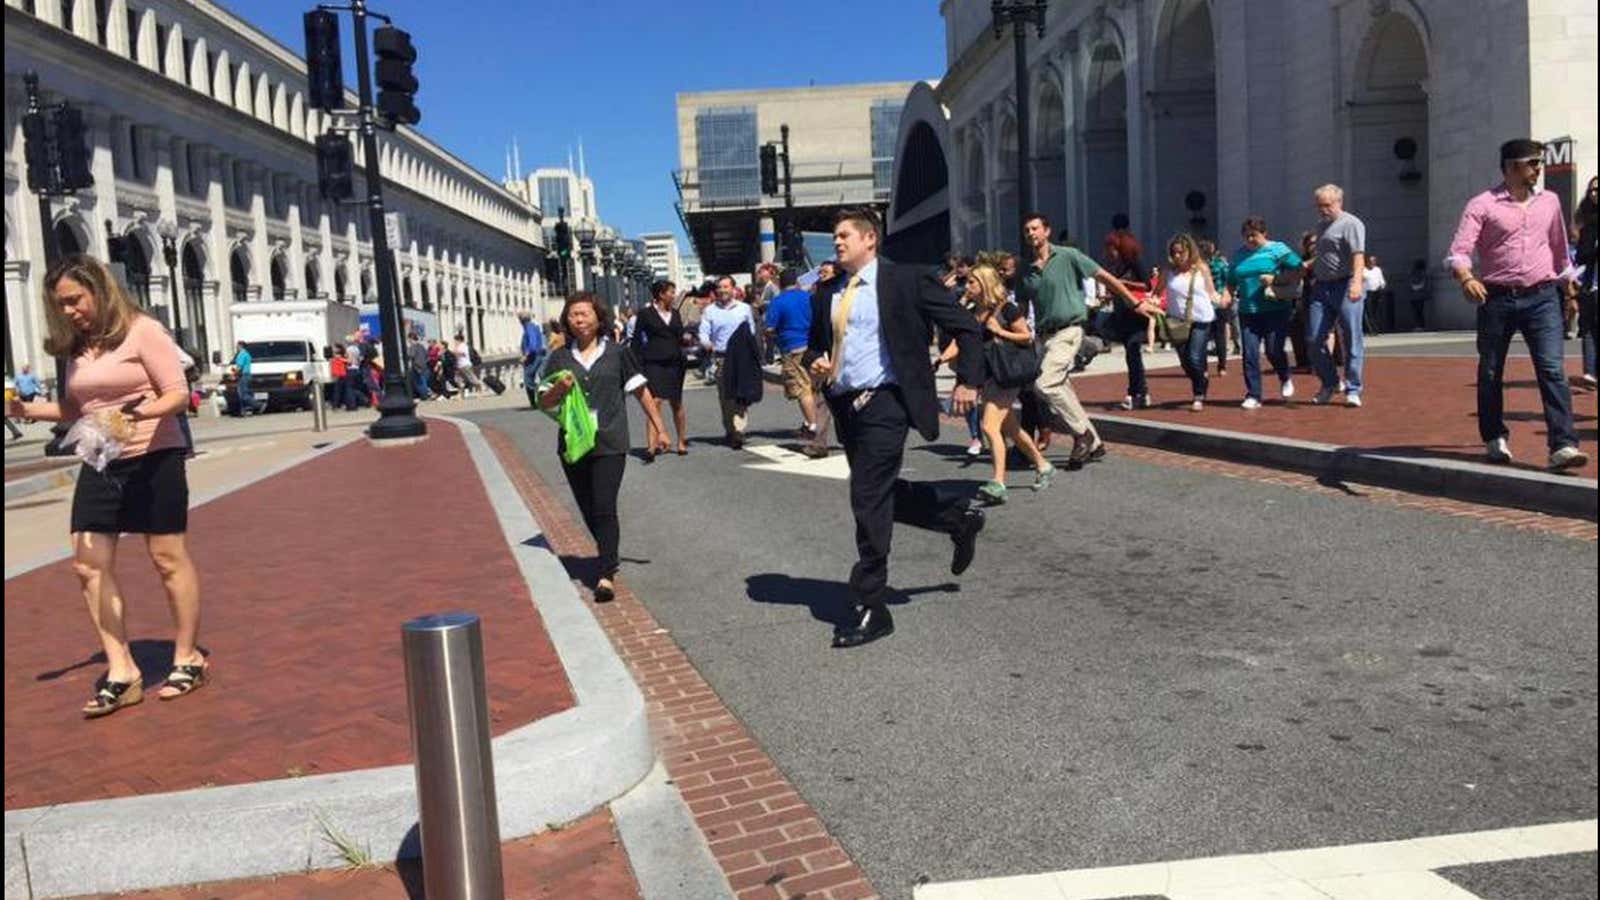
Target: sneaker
(1352, 400)
(1043, 478)
(1323, 398)
(1344, 387)
(1198, 405)
(1499, 450)
(975, 447)
(1568, 458)
(1287, 388)
(1250, 403)
(1141, 402)
(1127, 402)
(993, 493)
(1587, 381)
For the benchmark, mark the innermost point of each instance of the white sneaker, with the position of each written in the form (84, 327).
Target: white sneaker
(974, 447)
(1352, 400)
(1250, 403)
(1568, 458)
(1198, 404)
(1499, 450)
(1322, 398)
(1127, 402)
(1588, 381)
(1343, 386)
(1288, 388)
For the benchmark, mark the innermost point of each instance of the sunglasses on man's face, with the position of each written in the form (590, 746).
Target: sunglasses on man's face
(1532, 162)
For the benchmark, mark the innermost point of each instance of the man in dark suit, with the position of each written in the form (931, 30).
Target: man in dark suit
(871, 326)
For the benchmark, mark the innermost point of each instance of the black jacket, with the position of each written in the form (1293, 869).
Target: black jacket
(911, 302)
(742, 367)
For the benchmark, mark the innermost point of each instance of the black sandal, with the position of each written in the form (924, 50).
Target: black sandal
(112, 696)
(184, 680)
(604, 592)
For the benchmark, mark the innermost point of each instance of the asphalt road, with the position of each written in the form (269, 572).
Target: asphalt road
(1145, 663)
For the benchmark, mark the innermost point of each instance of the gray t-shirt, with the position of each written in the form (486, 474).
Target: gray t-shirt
(1337, 242)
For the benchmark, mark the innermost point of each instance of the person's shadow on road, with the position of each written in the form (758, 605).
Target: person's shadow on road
(829, 601)
(153, 657)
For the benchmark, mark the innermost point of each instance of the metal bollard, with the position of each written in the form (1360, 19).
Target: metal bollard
(319, 409)
(455, 766)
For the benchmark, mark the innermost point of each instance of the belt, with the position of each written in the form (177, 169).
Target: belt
(1046, 332)
(1512, 290)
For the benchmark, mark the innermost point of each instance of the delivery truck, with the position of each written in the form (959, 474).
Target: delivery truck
(289, 342)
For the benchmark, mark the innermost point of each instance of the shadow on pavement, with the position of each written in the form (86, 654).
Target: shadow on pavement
(154, 659)
(829, 601)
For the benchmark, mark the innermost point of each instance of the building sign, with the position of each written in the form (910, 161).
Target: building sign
(1560, 172)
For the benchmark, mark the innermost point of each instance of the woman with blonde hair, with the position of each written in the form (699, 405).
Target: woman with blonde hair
(1002, 320)
(1192, 304)
(124, 375)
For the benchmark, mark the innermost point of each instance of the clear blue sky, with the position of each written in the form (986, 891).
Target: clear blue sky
(553, 71)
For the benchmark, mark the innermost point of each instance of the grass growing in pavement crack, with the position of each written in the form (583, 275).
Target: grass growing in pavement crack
(354, 855)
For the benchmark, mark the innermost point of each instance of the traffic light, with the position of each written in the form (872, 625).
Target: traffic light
(335, 166)
(397, 86)
(324, 71)
(769, 169)
(36, 147)
(72, 149)
(564, 240)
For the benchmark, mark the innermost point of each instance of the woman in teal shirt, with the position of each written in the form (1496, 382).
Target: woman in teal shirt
(1258, 264)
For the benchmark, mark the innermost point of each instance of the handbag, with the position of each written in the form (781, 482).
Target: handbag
(1011, 365)
(1178, 330)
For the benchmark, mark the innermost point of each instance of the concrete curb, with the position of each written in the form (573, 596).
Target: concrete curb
(549, 771)
(44, 481)
(670, 858)
(1557, 495)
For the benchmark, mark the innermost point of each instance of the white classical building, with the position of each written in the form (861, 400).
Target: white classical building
(200, 133)
(661, 252)
(1242, 107)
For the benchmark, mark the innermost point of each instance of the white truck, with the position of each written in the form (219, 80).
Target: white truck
(286, 340)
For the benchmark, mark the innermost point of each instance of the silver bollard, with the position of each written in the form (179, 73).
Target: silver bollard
(455, 766)
(319, 409)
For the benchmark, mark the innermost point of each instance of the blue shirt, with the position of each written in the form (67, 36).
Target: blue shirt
(790, 316)
(718, 323)
(242, 360)
(865, 362)
(532, 338)
(28, 384)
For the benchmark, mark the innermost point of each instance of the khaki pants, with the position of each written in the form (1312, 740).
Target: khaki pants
(1054, 385)
(733, 412)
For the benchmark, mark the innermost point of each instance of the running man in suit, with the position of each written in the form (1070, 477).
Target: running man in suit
(871, 325)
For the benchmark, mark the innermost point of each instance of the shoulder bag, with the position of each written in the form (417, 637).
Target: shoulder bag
(1011, 365)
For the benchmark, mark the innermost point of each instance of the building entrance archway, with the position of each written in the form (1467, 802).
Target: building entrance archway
(1184, 115)
(1050, 157)
(1105, 145)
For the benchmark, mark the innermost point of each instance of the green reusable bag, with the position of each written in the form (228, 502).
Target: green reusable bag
(578, 425)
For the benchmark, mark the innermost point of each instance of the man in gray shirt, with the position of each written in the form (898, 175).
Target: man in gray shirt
(1337, 297)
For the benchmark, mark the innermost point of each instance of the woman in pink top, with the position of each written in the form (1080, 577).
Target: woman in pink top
(124, 372)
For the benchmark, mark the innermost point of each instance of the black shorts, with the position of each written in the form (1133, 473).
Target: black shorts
(147, 494)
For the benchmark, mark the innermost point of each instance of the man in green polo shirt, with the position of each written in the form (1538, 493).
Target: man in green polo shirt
(1054, 286)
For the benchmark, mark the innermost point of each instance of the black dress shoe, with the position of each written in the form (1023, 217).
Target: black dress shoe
(965, 537)
(871, 623)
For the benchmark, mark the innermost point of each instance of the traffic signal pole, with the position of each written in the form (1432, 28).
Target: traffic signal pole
(397, 418)
(56, 446)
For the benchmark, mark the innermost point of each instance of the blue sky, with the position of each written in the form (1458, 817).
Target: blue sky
(553, 71)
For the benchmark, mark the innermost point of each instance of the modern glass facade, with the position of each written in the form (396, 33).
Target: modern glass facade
(554, 196)
(885, 128)
(725, 139)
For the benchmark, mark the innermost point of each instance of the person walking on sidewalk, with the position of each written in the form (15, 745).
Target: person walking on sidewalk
(869, 342)
(1338, 295)
(1519, 237)
(1191, 300)
(607, 373)
(1054, 286)
(467, 362)
(1003, 321)
(717, 324)
(1586, 223)
(241, 385)
(123, 373)
(1266, 277)
(788, 319)
(658, 341)
(533, 355)
(1224, 329)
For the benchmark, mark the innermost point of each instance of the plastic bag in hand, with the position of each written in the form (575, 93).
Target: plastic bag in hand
(97, 439)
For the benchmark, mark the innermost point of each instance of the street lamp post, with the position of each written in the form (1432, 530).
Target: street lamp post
(169, 251)
(1020, 14)
(586, 250)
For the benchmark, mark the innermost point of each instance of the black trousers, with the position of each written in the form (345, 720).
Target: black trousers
(874, 439)
(595, 481)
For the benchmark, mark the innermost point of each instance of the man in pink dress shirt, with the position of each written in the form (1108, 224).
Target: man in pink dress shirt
(1519, 236)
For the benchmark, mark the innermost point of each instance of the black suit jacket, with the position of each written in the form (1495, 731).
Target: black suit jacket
(911, 302)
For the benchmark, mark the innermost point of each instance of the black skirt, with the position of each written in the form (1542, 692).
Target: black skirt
(146, 494)
(665, 379)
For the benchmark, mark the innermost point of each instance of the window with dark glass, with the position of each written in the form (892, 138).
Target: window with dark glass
(726, 154)
(885, 129)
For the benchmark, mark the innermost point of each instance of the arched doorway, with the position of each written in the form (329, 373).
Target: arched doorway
(1007, 232)
(1105, 146)
(279, 273)
(1388, 110)
(341, 284)
(921, 177)
(1184, 115)
(136, 269)
(313, 275)
(366, 285)
(1050, 156)
(194, 310)
(239, 274)
(68, 239)
(975, 197)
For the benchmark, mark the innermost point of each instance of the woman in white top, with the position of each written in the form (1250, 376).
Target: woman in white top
(1191, 297)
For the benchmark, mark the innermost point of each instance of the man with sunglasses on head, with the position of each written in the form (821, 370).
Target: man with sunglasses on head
(1519, 237)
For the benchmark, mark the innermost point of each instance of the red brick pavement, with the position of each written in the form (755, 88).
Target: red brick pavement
(767, 838)
(583, 860)
(1422, 405)
(305, 580)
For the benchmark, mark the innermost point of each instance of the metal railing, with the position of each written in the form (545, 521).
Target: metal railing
(816, 183)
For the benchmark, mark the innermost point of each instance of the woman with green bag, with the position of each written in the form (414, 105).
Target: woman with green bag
(601, 373)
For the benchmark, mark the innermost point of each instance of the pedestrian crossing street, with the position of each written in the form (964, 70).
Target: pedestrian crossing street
(1391, 870)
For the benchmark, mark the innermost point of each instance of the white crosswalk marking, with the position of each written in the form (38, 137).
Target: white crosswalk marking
(788, 462)
(1377, 871)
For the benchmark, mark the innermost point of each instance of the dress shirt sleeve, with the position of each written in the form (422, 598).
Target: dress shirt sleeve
(704, 332)
(1466, 239)
(1560, 251)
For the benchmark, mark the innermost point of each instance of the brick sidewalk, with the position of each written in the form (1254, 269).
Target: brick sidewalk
(582, 860)
(306, 578)
(1423, 406)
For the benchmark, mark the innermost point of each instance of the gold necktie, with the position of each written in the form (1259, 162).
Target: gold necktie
(841, 320)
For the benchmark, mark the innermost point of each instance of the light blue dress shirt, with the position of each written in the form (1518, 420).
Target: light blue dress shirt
(866, 354)
(718, 323)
